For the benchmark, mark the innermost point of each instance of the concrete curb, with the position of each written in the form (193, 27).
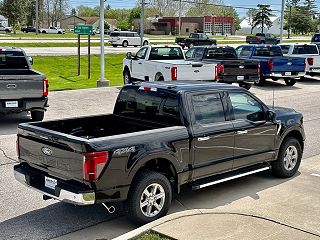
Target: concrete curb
(195, 212)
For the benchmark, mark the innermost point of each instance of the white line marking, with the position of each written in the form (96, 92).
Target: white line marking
(315, 175)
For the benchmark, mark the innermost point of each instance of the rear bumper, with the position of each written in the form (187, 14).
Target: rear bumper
(236, 79)
(62, 192)
(24, 105)
(314, 70)
(282, 75)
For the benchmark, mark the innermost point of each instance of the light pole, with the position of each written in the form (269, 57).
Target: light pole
(282, 20)
(102, 82)
(37, 17)
(142, 22)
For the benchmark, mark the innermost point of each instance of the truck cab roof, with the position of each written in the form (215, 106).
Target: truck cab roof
(2, 49)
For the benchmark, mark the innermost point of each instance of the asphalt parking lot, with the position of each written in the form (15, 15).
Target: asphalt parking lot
(292, 201)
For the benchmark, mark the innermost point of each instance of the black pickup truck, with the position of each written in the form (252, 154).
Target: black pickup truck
(195, 39)
(263, 38)
(231, 68)
(160, 136)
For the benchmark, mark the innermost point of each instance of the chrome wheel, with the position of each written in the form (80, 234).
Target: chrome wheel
(290, 158)
(152, 200)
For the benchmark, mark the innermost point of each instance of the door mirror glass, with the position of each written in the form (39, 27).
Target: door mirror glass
(271, 116)
(30, 59)
(129, 55)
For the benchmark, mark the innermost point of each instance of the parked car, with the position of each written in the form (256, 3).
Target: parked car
(196, 39)
(308, 51)
(5, 29)
(273, 64)
(126, 38)
(28, 29)
(22, 89)
(233, 68)
(52, 30)
(263, 38)
(160, 137)
(165, 63)
(315, 38)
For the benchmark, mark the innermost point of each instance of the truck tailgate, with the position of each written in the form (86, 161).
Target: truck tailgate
(196, 71)
(18, 87)
(240, 67)
(289, 64)
(59, 155)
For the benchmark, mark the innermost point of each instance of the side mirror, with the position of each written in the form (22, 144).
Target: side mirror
(30, 59)
(271, 116)
(129, 55)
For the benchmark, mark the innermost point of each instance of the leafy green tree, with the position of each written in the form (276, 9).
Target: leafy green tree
(84, 11)
(250, 15)
(262, 17)
(15, 11)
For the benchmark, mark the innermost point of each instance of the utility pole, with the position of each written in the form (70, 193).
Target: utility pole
(180, 2)
(102, 82)
(37, 17)
(143, 3)
(289, 21)
(282, 20)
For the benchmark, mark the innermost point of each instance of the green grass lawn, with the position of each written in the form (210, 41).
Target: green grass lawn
(62, 71)
(151, 236)
(21, 35)
(51, 44)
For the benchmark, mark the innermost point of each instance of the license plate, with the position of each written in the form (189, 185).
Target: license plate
(50, 183)
(287, 73)
(12, 104)
(240, 78)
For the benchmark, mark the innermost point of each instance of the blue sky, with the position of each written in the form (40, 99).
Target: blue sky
(275, 4)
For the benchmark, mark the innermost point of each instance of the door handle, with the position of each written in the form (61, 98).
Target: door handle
(201, 139)
(140, 63)
(242, 132)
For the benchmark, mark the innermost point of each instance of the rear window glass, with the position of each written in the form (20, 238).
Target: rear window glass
(305, 49)
(220, 53)
(156, 106)
(268, 51)
(114, 34)
(166, 53)
(13, 60)
(285, 48)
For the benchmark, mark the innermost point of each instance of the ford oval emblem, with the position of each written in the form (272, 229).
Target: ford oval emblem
(46, 151)
(289, 63)
(241, 67)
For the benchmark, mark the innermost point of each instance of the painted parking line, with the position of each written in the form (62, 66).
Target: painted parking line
(315, 174)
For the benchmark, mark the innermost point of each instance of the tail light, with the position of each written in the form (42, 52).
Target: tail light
(17, 147)
(259, 68)
(93, 165)
(174, 73)
(45, 88)
(257, 39)
(310, 61)
(270, 64)
(219, 70)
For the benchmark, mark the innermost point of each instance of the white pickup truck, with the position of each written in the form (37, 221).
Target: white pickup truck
(166, 63)
(52, 30)
(308, 51)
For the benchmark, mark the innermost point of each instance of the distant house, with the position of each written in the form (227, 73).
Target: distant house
(274, 29)
(4, 21)
(95, 22)
(70, 21)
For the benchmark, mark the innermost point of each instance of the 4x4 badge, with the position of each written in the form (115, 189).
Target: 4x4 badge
(46, 151)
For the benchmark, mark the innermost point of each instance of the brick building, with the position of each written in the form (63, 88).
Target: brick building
(214, 25)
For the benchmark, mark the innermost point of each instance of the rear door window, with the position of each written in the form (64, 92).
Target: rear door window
(244, 51)
(268, 51)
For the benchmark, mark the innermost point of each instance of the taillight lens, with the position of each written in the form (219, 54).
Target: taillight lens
(259, 68)
(45, 87)
(174, 73)
(310, 61)
(219, 71)
(93, 165)
(270, 64)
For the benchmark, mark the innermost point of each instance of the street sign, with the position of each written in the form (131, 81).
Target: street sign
(83, 29)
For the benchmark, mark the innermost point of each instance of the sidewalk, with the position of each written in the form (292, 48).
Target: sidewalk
(207, 224)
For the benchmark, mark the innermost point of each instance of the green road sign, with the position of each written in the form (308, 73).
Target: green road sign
(83, 29)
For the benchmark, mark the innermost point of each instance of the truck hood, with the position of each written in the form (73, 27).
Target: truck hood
(287, 116)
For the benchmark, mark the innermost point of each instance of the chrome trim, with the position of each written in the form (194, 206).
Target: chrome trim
(85, 198)
(300, 74)
(201, 139)
(233, 177)
(242, 132)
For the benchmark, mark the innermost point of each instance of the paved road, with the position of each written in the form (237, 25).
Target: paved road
(25, 216)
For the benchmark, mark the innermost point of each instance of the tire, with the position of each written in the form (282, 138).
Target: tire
(7, 30)
(159, 78)
(114, 45)
(263, 42)
(290, 81)
(287, 168)
(245, 85)
(44, 32)
(260, 82)
(127, 77)
(37, 116)
(156, 208)
(145, 43)
(125, 44)
(59, 32)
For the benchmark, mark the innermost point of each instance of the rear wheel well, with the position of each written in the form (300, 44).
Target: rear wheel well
(162, 166)
(126, 68)
(297, 135)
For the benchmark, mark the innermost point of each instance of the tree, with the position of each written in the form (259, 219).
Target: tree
(84, 11)
(250, 15)
(15, 11)
(163, 8)
(262, 17)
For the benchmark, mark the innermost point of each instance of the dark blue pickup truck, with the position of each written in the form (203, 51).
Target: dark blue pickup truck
(273, 64)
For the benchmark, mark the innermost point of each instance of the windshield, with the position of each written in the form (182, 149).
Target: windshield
(13, 60)
(220, 53)
(268, 51)
(166, 53)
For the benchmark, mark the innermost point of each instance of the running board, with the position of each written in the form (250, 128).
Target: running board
(203, 184)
